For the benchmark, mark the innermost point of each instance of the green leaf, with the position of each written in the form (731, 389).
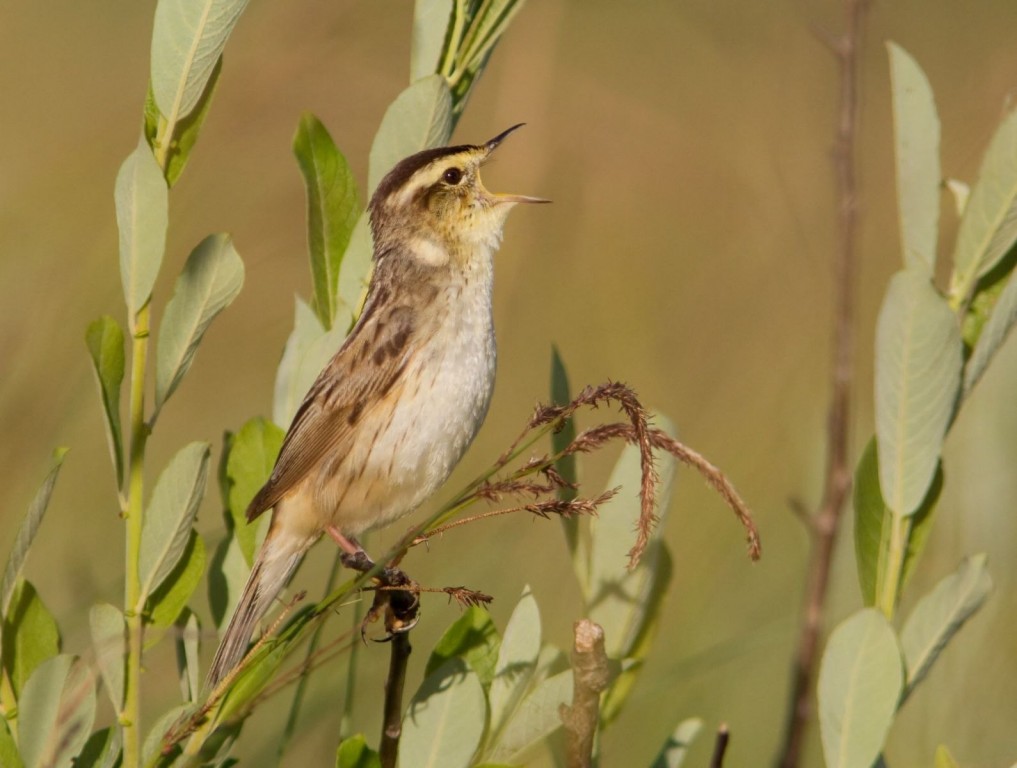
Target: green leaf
(100, 751)
(248, 467)
(153, 744)
(332, 210)
(188, 38)
(26, 533)
(9, 756)
(355, 271)
(995, 331)
(188, 664)
(105, 343)
(445, 720)
(940, 615)
(473, 638)
(30, 635)
(107, 625)
(566, 467)
(142, 204)
(989, 226)
(170, 514)
(860, 681)
(307, 351)
(517, 657)
(171, 597)
(431, 21)
(536, 718)
(185, 132)
(419, 118)
(944, 759)
(227, 576)
(353, 752)
(916, 139)
(211, 279)
(874, 522)
(676, 748)
(56, 712)
(918, 367)
(485, 29)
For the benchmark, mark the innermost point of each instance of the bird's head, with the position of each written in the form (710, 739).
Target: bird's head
(433, 205)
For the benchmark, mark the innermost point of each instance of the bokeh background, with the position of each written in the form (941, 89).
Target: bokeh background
(687, 148)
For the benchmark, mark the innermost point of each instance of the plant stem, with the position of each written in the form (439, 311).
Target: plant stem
(837, 483)
(392, 724)
(130, 716)
(889, 584)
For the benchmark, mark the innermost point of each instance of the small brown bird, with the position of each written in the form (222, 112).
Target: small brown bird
(394, 410)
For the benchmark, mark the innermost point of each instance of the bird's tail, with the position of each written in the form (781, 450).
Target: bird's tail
(278, 558)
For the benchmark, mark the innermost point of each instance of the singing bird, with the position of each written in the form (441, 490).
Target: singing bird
(393, 411)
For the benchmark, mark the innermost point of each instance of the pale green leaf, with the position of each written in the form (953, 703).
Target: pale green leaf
(430, 29)
(307, 351)
(445, 721)
(170, 514)
(188, 663)
(142, 205)
(171, 597)
(102, 750)
(185, 132)
(860, 681)
(520, 646)
(916, 150)
(918, 367)
(940, 615)
(188, 38)
(105, 343)
(353, 752)
(211, 279)
(9, 756)
(989, 226)
(944, 759)
(419, 118)
(251, 458)
(566, 467)
(107, 625)
(152, 745)
(355, 270)
(26, 533)
(332, 210)
(874, 524)
(30, 635)
(485, 29)
(226, 579)
(676, 748)
(472, 637)
(536, 718)
(56, 712)
(993, 334)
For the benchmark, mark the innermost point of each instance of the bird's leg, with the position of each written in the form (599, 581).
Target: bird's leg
(352, 555)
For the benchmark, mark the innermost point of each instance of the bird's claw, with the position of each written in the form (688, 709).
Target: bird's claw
(398, 599)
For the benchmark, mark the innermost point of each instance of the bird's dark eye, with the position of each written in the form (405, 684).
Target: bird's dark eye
(453, 176)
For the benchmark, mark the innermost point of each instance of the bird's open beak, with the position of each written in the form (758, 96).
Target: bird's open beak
(499, 198)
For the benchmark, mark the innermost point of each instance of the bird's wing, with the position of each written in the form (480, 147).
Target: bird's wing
(364, 370)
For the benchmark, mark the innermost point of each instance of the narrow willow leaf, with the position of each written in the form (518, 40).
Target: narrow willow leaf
(307, 351)
(107, 625)
(940, 615)
(211, 279)
(445, 720)
(142, 204)
(26, 533)
(473, 638)
(520, 646)
(188, 38)
(185, 132)
(431, 21)
(226, 578)
(171, 597)
(993, 334)
(419, 118)
(860, 680)
(353, 752)
(566, 467)
(30, 635)
(918, 367)
(944, 759)
(618, 600)
(536, 718)
(332, 210)
(676, 748)
(105, 343)
(188, 663)
(100, 751)
(170, 514)
(355, 271)
(485, 29)
(989, 226)
(9, 756)
(916, 150)
(56, 712)
(874, 524)
(154, 740)
(251, 459)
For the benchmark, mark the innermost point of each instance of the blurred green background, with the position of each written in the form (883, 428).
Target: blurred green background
(686, 146)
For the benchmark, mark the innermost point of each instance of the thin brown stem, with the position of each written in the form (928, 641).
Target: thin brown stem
(392, 724)
(720, 746)
(837, 482)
